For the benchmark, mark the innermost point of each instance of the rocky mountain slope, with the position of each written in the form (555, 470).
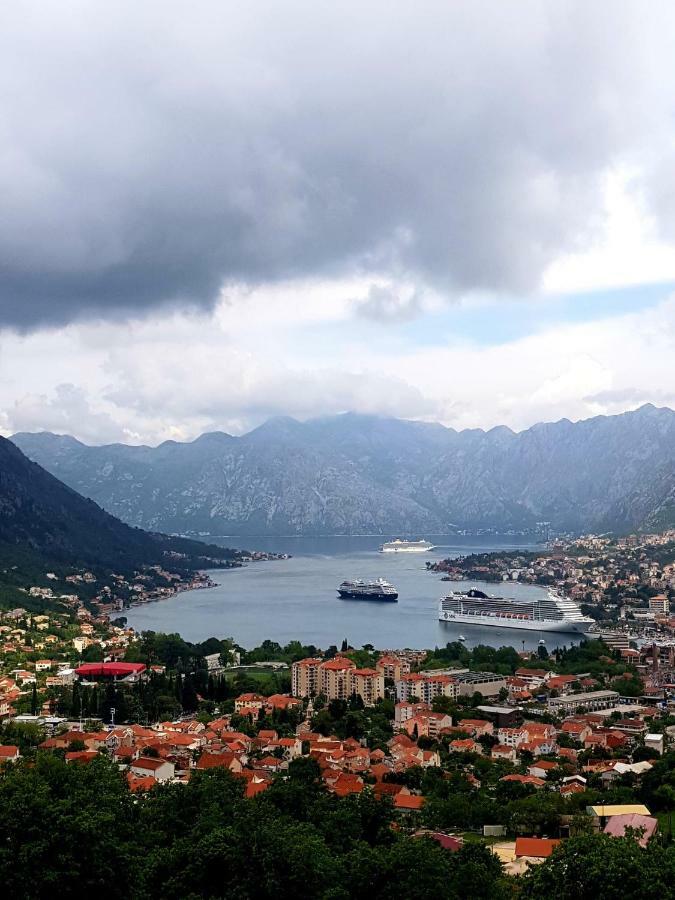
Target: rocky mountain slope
(41, 517)
(363, 474)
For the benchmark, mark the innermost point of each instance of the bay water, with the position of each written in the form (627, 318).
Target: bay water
(296, 598)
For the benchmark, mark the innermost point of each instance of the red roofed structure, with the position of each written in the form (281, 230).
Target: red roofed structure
(538, 848)
(113, 670)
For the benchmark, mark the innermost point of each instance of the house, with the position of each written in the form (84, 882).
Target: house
(542, 769)
(281, 703)
(406, 710)
(476, 727)
(562, 683)
(464, 745)
(149, 767)
(534, 678)
(271, 764)
(253, 788)
(9, 753)
(601, 813)
(646, 826)
(345, 784)
(427, 724)
(525, 779)
(655, 742)
(292, 747)
(577, 731)
(538, 747)
(227, 760)
(518, 688)
(138, 784)
(504, 752)
(250, 701)
(80, 756)
(511, 737)
(535, 848)
(574, 787)
(408, 802)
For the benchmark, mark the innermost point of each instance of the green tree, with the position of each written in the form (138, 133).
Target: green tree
(595, 865)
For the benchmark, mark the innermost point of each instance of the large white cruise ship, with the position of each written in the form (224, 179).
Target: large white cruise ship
(554, 612)
(399, 546)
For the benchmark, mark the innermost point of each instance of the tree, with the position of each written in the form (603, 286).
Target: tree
(66, 830)
(597, 865)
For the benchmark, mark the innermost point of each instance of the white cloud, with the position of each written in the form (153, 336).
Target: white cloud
(180, 375)
(627, 249)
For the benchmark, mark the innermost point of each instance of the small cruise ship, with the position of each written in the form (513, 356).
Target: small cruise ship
(400, 546)
(368, 590)
(554, 612)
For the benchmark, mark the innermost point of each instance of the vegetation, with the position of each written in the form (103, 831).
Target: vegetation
(75, 830)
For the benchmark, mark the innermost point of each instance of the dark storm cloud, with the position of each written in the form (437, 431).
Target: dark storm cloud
(151, 152)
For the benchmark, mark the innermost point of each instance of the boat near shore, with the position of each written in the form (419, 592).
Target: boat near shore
(554, 612)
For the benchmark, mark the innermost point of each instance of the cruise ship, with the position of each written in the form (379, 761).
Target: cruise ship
(368, 590)
(399, 546)
(554, 612)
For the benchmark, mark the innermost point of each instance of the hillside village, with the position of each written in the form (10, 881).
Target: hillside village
(516, 750)
(626, 583)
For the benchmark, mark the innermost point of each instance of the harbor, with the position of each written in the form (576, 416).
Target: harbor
(296, 598)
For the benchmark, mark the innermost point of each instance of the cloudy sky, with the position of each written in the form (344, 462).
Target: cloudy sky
(212, 213)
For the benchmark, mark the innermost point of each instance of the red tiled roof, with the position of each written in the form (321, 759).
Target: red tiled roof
(338, 664)
(137, 784)
(253, 788)
(148, 762)
(408, 801)
(213, 760)
(537, 847)
(525, 779)
(8, 751)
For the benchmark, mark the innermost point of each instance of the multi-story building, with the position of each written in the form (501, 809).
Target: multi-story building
(392, 667)
(406, 710)
(590, 701)
(336, 679)
(366, 683)
(249, 701)
(424, 687)
(659, 604)
(486, 683)
(306, 677)
(335, 684)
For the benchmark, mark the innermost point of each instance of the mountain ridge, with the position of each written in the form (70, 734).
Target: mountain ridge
(356, 474)
(43, 518)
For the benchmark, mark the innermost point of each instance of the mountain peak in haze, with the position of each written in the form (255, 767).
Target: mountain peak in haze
(368, 474)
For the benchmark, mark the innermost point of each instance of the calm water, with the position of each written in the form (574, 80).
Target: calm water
(296, 598)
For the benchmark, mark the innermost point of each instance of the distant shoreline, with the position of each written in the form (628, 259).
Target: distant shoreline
(383, 536)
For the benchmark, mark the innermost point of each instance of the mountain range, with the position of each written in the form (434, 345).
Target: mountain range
(45, 521)
(355, 474)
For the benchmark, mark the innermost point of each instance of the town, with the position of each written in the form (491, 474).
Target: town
(624, 583)
(518, 751)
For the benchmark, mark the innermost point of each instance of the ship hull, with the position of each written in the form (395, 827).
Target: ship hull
(380, 598)
(559, 625)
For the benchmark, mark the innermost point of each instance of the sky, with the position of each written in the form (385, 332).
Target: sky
(215, 213)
